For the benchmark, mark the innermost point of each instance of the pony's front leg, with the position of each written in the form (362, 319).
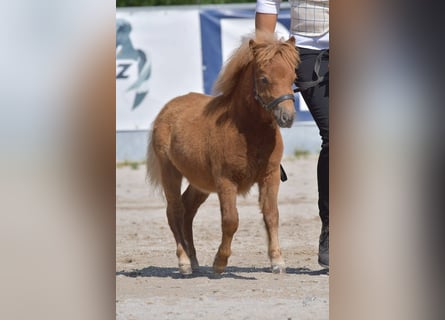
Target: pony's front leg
(268, 189)
(227, 192)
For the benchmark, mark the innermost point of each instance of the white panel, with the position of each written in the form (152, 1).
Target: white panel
(171, 41)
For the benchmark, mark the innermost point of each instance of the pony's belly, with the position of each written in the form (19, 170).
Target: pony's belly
(195, 171)
(203, 186)
(201, 182)
(202, 178)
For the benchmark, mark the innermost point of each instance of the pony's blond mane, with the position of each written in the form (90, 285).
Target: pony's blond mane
(266, 47)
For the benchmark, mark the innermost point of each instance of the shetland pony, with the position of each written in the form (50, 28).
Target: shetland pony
(226, 143)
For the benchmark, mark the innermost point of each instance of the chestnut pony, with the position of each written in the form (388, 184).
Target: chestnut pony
(225, 144)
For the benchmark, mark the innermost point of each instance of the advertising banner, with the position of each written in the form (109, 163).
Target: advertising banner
(158, 57)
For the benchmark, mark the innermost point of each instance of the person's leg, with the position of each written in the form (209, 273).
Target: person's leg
(317, 100)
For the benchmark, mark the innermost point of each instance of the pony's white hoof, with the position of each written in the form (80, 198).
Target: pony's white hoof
(185, 269)
(278, 268)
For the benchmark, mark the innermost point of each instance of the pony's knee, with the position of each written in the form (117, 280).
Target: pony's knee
(230, 224)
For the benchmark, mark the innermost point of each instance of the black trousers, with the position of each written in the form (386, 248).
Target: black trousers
(317, 100)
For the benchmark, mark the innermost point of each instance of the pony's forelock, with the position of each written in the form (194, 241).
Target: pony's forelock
(263, 47)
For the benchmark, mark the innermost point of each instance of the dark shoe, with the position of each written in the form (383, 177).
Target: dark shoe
(323, 249)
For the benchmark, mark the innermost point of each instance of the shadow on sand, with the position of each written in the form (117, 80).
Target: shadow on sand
(206, 271)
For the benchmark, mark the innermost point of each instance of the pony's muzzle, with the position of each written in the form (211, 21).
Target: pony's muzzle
(284, 118)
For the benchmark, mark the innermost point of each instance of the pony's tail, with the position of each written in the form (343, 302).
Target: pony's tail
(153, 167)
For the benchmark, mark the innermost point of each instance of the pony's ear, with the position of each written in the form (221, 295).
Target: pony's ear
(252, 46)
(291, 40)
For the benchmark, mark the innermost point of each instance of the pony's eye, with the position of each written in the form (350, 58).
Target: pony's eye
(264, 80)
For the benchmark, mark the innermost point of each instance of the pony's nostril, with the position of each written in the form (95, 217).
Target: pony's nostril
(284, 117)
(287, 120)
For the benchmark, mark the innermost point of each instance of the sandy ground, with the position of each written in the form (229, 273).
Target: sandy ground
(149, 285)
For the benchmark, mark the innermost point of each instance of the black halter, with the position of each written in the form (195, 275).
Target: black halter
(272, 104)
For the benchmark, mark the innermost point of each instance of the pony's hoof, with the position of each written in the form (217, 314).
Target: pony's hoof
(219, 264)
(218, 269)
(277, 269)
(195, 265)
(185, 269)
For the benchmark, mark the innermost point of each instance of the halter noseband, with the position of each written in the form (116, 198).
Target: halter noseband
(272, 104)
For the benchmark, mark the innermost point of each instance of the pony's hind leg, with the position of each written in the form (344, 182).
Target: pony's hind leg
(268, 190)
(229, 222)
(171, 180)
(192, 198)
